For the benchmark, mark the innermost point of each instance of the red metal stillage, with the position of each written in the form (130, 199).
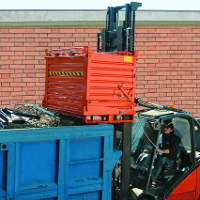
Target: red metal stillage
(98, 87)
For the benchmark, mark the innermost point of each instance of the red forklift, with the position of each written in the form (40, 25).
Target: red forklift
(178, 181)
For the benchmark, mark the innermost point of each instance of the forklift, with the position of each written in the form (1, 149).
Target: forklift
(138, 140)
(177, 181)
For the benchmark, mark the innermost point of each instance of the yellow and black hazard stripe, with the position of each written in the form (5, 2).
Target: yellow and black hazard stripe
(67, 73)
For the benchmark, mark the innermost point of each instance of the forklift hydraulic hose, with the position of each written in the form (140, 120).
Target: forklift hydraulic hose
(139, 101)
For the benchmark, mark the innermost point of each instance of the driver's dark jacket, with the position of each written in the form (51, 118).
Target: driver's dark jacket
(171, 142)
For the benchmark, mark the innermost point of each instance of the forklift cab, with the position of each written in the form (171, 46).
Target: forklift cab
(146, 131)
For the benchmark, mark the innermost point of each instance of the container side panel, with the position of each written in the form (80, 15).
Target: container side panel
(68, 100)
(87, 196)
(112, 84)
(61, 105)
(2, 170)
(85, 169)
(40, 163)
(57, 163)
(65, 87)
(86, 158)
(86, 149)
(61, 92)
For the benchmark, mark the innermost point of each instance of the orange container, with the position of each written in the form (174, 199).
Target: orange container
(98, 87)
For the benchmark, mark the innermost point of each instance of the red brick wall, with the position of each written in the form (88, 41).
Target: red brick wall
(168, 68)
(22, 63)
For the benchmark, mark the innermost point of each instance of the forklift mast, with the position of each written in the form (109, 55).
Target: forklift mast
(116, 38)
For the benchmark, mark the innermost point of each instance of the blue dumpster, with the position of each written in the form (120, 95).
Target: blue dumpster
(74, 162)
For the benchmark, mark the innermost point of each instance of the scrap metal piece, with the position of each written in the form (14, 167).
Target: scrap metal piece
(3, 117)
(1, 125)
(42, 109)
(12, 116)
(46, 121)
(27, 116)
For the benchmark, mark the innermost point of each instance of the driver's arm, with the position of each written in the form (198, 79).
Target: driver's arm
(166, 151)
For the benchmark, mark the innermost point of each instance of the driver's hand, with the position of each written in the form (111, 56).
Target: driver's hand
(158, 150)
(146, 151)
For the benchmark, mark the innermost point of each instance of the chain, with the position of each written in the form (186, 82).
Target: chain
(127, 38)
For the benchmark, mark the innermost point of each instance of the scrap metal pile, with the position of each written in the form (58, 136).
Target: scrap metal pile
(27, 116)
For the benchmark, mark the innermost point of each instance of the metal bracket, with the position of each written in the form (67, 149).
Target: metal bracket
(126, 95)
(155, 125)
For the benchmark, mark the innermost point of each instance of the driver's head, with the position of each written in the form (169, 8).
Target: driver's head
(169, 127)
